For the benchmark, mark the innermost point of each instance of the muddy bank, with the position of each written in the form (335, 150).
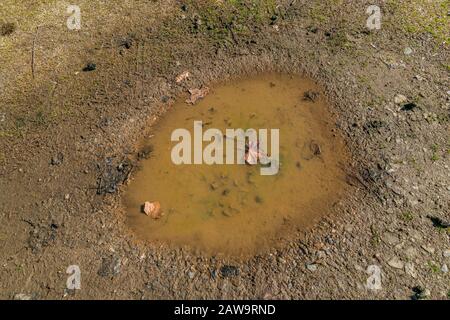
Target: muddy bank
(227, 201)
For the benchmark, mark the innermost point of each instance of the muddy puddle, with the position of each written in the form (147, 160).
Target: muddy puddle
(233, 209)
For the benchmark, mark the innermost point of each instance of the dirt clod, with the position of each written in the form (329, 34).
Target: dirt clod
(58, 159)
(90, 67)
(229, 271)
(112, 176)
(110, 266)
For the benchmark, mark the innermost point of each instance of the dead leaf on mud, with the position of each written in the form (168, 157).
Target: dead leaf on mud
(253, 153)
(197, 94)
(182, 76)
(152, 209)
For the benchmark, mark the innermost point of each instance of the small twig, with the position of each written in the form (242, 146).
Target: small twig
(33, 50)
(29, 222)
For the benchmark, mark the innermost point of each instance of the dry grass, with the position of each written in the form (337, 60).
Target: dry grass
(60, 55)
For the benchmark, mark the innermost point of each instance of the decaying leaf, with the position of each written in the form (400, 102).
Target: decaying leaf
(253, 153)
(197, 94)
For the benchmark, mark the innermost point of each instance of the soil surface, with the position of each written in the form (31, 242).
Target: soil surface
(75, 104)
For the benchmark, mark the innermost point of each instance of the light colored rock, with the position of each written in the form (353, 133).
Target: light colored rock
(22, 296)
(153, 209)
(410, 269)
(447, 253)
(411, 252)
(444, 268)
(390, 238)
(428, 249)
(311, 267)
(407, 51)
(396, 263)
(348, 228)
(400, 99)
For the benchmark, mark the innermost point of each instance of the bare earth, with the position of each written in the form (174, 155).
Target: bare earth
(69, 138)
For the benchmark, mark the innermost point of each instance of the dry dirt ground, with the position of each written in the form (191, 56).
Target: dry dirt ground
(68, 137)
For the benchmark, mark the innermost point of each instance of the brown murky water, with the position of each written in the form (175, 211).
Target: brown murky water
(232, 209)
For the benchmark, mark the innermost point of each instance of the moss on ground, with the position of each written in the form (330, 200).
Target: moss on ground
(421, 16)
(223, 21)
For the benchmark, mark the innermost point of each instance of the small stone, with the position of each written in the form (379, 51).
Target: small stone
(446, 253)
(191, 274)
(428, 249)
(390, 238)
(400, 99)
(407, 51)
(396, 263)
(410, 270)
(67, 196)
(411, 252)
(311, 267)
(444, 268)
(152, 209)
(22, 296)
(348, 228)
